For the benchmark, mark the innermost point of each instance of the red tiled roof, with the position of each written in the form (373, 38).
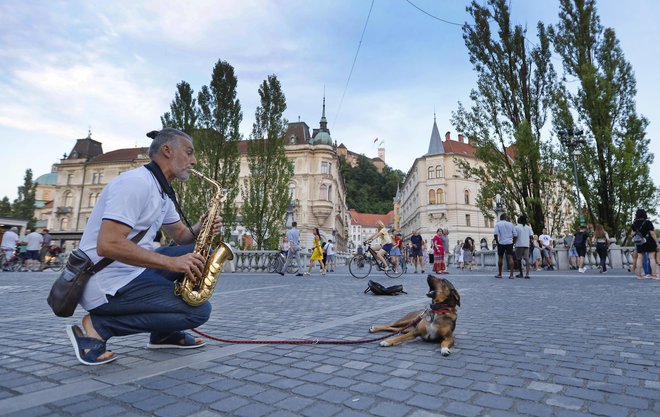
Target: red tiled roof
(121, 155)
(456, 147)
(369, 220)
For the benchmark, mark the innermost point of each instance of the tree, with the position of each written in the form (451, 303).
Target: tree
(5, 207)
(510, 107)
(183, 112)
(23, 206)
(265, 191)
(614, 165)
(220, 117)
(367, 190)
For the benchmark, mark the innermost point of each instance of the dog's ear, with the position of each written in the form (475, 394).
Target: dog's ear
(456, 296)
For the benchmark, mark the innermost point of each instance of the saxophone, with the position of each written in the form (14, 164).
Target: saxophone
(196, 291)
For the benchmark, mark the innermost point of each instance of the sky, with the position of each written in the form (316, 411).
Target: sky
(111, 67)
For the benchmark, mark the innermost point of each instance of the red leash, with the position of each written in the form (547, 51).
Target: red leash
(305, 342)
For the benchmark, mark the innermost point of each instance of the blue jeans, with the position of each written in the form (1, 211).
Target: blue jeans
(148, 304)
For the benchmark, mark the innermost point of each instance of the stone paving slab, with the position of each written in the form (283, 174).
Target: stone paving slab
(560, 344)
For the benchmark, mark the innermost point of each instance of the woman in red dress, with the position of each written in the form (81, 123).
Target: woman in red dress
(438, 252)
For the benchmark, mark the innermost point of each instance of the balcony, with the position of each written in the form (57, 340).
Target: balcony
(322, 209)
(63, 210)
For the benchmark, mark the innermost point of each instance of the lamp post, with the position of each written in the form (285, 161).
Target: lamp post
(572, 139)
(499, 209)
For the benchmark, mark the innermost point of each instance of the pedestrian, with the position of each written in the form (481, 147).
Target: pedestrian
(284, 246)
(33, 241)
(317, 253)
(646, 229)
(523, 238)
(504, 234)
(445, 257)
(546, 249)
(438, 252)
(580, 245)
(457, 254)
(416, 250)
(461, 256)
(468, 252)
(45, 245)
(9, 242)
(425, 254)
(395, 252)
(330, 252)
(293, 236)
(135, 294)
(602, 240)
(572, 253)
(537, 258)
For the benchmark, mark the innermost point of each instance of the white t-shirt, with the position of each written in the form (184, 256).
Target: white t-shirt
(505, 232)
(134, 198)
(9, 240)
(330, 249)
(34, 241)
(546, 241)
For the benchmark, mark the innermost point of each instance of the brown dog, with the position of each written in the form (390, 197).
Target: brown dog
(435, 324)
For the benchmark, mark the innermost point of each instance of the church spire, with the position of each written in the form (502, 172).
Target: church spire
(324, 122)
(435, 144)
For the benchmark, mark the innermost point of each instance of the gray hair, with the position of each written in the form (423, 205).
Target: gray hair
(166, 136)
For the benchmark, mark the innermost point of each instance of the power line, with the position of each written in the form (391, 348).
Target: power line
(430, 15)
(353, 66)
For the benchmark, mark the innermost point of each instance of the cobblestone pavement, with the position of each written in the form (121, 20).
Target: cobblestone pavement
(560, 344)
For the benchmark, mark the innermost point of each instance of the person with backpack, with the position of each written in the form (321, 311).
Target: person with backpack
(580, 245)
(648, 247)
(602, 240)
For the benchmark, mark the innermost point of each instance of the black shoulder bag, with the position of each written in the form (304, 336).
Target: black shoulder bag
(68, 288)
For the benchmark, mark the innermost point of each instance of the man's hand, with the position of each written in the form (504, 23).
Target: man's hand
(215, 228)
(191, 264)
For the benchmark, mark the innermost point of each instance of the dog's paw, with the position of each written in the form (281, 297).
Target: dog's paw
(372, 329)
(385, 343)
(443, 351)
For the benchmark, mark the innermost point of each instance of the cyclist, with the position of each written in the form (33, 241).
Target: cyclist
(8, 245)
(386, 239)
(53, 251)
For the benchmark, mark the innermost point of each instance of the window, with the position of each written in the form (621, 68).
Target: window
(325, 167)
(292, 139)
(68, 199)
(431, 196)
(95, 178)
(467, 220)
(69, 179)
(46, 195)
(431, 173)
(467, 196)
(292, 191)
(64, 223)
(441, 196)
(439, 172)
(323, 195)
(329, 192)
(92, 199)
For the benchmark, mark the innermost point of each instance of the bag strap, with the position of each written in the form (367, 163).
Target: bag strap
(107, 261)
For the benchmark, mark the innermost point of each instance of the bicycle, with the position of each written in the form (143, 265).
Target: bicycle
(13, 264)
(54, 262)
(277, 262)
(360, 265)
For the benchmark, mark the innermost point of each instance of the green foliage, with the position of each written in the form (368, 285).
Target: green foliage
(367, 190)
(212, 120)
(23, 207)
(510, 106)
(614, 164)
(265, 191)
(5, 207)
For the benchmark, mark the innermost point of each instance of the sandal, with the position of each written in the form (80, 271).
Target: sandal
(176, 340)
(94, 347)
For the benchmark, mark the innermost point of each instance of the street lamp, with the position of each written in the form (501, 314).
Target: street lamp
(572, 139)
(499, 209)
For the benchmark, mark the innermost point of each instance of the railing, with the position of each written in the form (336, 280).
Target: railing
(258, 260)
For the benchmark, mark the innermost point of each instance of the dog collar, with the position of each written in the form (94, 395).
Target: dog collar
(441, 308)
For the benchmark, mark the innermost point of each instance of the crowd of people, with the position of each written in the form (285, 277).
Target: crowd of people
(33, 249)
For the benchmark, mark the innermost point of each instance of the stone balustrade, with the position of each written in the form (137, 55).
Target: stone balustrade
(258, 260)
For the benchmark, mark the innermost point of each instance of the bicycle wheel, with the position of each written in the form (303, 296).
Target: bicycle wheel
(57, 265)
(273, 265)
(391, 272)
(359, 266)
(293, 268)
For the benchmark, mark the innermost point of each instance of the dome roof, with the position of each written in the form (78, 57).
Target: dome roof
(322, 138)
(47, 179)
